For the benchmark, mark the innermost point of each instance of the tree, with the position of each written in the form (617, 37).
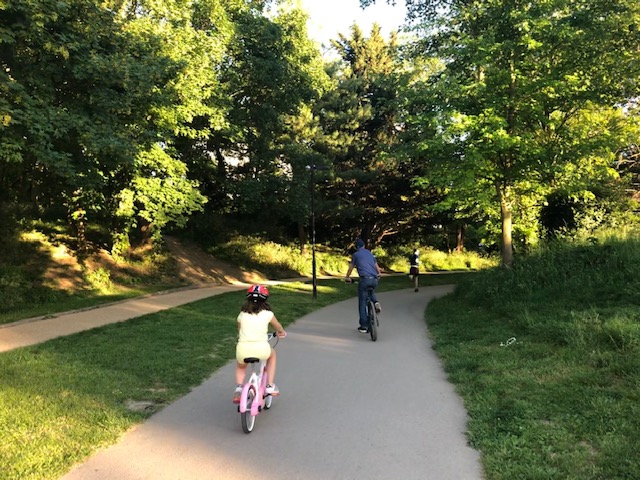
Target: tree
(253, 164)
(518, 75)
(93, 92)
(360, 122)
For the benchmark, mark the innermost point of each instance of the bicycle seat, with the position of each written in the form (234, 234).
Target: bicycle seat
(251, 360)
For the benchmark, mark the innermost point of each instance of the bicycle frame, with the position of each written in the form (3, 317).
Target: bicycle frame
(372, 316)
(258, 383)
(253, 397)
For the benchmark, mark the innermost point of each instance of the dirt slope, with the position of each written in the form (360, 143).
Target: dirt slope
(199, 268)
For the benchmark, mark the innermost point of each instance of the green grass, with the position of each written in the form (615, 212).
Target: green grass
(563, 400)
(33, 284)
(280, 261)
(64, 399)
(26, 290)
(432, 260)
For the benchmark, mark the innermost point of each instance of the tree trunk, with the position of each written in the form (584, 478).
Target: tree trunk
(460, 237)
(365, 234)
(146, 233)
(302, 238)
(507, 227)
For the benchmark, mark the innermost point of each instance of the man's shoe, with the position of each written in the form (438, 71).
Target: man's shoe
(363, 329)
(416, 290)
(378, 307)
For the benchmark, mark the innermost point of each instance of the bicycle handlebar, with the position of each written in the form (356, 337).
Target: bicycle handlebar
(356, 280)
(272, 335)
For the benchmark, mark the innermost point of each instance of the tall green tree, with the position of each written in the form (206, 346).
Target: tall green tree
(360, 122)
(518, 75)
(270, 73)
(93, 94)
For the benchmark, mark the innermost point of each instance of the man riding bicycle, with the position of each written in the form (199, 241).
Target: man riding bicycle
(369, 272)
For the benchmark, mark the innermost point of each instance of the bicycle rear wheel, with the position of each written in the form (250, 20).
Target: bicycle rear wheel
(248, 420)
(373, 321)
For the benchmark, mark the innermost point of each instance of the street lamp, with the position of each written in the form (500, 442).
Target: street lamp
(314, 280)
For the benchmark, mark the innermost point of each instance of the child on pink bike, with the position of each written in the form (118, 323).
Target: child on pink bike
(253, 324)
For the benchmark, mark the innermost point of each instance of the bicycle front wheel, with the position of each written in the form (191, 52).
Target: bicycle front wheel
(248, 420)
(373, 322)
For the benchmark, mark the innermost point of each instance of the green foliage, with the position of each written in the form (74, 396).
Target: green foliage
(133, 117)
(559, 400)
(271, 71)
(91, 90)
(33, 283)
(431, 260)
(121, 244)
(570, 267)
(521, 107)
(254, 162)
(162, 190)
(276, 260)
(369, 193)
(100, 280)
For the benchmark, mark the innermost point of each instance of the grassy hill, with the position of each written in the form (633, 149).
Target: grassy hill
(547, 359)
(42, 274)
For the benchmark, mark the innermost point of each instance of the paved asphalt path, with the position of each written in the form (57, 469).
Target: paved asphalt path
(349, 409)
(40, 329)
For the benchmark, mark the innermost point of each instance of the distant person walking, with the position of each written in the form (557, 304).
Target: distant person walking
(369, 272)
(414, 268)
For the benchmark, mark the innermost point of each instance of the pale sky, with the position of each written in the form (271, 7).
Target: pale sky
(327, 18)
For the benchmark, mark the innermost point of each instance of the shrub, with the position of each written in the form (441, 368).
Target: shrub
(99, 280)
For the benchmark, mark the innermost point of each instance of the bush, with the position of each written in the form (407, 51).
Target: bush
(99, 280)
(603, 267)
(251, 252)
(276, 260)
(432, 260)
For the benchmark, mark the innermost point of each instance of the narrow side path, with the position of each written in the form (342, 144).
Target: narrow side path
(25, 333)
(33, 331)
(349, 409)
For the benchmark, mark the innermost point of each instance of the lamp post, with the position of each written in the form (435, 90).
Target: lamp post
(314, 278)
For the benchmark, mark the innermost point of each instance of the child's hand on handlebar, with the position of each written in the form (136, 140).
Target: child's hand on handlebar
(281, 334)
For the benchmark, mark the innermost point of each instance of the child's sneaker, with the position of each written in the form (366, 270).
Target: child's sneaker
(237, 394)
(272, 390)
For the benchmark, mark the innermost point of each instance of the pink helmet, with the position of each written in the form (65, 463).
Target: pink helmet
(258, 292)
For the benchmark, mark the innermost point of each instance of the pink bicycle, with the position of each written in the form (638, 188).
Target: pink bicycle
(254, 397)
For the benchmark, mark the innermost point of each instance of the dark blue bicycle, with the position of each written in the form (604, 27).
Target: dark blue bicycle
(372, 314)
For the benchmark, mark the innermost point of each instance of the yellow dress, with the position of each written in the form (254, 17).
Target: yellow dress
(252, 336)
